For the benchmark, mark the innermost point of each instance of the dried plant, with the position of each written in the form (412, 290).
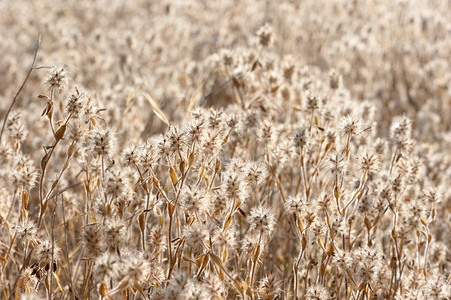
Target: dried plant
(225, 150)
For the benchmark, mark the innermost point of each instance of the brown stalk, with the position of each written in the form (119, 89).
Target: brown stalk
(38, 42)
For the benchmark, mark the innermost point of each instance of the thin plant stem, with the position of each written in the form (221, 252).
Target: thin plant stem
(13, 102)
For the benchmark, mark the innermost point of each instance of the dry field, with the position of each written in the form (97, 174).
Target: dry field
(225, 149)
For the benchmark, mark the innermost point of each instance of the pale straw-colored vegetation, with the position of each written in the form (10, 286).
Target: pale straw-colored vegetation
(225, 149)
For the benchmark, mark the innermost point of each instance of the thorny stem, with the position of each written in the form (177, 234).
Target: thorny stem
(66, 242)
(397, 262)
(254, 264)
(356, 193)
(57, 180)
(53, 254)
(103, 177)
(25, 263)
(427, 249)
(171, 215)
(146, 190)
(295, 271)
(44, 162)
(171, 258)
(11, 242)
(87, 281)
(87, 188)
(302, 178)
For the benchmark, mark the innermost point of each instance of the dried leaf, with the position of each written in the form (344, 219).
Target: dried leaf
(103, 290)
(58, 281)
(217, 166)
(174, 178)
(191, 159)
(337, 192)
(227, 222)
(182, 166)
(160, 114)
(70, 150)
(194, 98)
(142, 221)
(60, 132)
